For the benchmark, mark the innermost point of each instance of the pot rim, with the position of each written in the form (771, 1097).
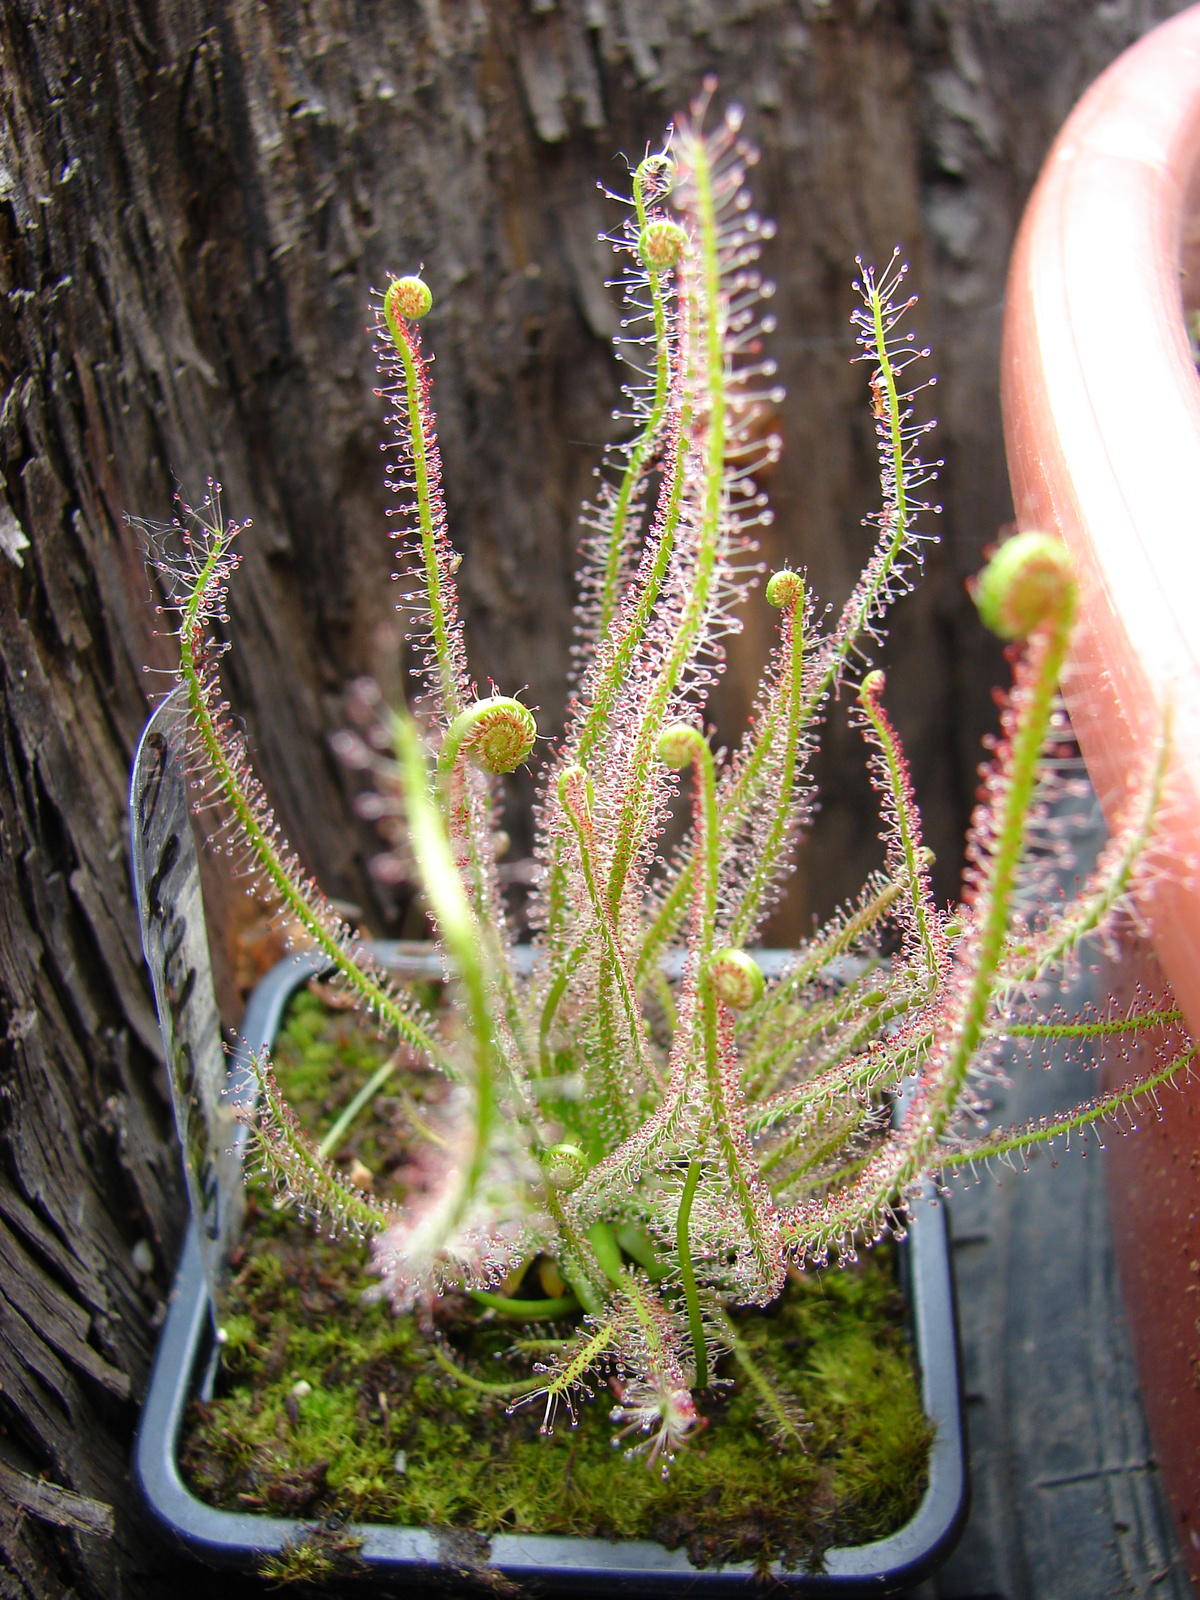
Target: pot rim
(1101, 406)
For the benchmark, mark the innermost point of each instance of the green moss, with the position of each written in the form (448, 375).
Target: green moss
(321, 1553)
(383, 1434)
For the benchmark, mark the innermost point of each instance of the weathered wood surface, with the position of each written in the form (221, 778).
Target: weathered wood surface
(195, 196)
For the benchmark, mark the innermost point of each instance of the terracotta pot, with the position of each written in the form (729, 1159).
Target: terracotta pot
(1102, 422)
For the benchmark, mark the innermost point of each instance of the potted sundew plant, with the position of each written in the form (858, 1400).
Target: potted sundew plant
(638, 1132)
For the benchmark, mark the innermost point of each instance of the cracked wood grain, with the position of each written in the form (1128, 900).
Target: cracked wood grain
(50, 1503)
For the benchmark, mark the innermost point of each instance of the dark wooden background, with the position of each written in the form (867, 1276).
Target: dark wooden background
(195, 198)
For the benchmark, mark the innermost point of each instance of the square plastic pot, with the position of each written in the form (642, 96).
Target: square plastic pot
(548, 1564)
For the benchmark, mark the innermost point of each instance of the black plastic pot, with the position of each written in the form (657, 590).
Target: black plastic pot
(578, 1566)
(165, 867)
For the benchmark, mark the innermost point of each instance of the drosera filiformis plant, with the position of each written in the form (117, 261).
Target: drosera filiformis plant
(334, 1411)
(671, 1147)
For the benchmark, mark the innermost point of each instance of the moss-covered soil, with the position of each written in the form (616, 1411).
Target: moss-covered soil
(329, 1407)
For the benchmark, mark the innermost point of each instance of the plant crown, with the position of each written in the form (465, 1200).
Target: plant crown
(673, 1144)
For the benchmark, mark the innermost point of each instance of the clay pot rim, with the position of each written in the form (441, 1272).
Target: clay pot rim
(1101, 406)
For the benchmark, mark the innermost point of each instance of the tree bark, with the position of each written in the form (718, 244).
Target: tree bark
(195, 198)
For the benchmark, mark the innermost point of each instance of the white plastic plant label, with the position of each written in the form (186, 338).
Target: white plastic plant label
(171, 912)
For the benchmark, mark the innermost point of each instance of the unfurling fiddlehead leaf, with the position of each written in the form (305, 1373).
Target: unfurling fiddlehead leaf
(496, 734)
(736, 979)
